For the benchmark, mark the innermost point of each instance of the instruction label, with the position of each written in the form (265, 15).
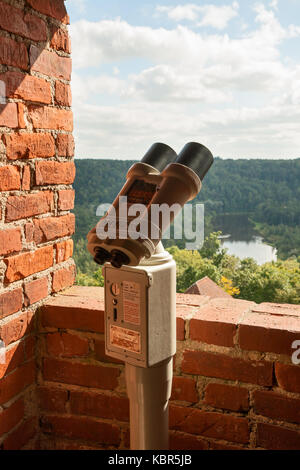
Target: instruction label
(125, 339)
(132, 302)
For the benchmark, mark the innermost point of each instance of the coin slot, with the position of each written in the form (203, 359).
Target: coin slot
(115, 314)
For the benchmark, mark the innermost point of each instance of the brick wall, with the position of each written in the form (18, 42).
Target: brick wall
(36, 171)
(234, 386)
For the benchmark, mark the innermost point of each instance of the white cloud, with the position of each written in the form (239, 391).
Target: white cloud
(239, 96)
(206, 15)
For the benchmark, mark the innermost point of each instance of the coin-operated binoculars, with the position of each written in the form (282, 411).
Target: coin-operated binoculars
(140, 281)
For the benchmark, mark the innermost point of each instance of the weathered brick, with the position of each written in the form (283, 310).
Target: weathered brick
(50, 63)
(34, 291)
(99, 405)
(63, 95)
(26, 87)
(10, 302)
(269, 333)
(44, 117)
(86, 375)
(13, 53)
(14, 329)
(184, 389)
(10, 417)
(9, 178)
(183, 314)
(60, 40)
(29, 231)
(21, 266)
(10, 241)
(9, 115)
(26, 178)
(277, 438)
(52, 399)
(14, 357)
(225, 367)
(227, 397)
(50, 228)
(15, 20)
(181, 441)
(99, 346)
(67, 345)
(63, 278)
(65, 145)
(20, 436)
(274, 405)
(56, 9)
(22, 207)
(14, 383)
(55, 173)
(66, 199)
(29, 146)
(288, 377)
(64, 250)
(21, 115)
(82, 428)
(77, 313)
(209, 424)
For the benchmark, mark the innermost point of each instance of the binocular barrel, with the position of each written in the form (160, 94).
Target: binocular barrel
(159, 156)
(196, 157)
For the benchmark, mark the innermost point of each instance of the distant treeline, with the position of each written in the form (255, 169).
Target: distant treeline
(267, 190)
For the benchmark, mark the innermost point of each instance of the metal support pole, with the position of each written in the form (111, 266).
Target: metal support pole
(149, 391)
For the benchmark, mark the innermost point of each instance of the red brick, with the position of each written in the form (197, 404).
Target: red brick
(180, 441)
(17, 381)
(29, 345)
(26, 87)
(22, 207)
(288, 377)
(29, 230)
(216, 322)
(9, 178)
(66, 345)
(277, 309)
(14, 329)
(269, 333)
(220, 446)
(99, 405)
(277, 438)
(26, 178)
(65, 145)
(180, 329)
(11, 416)
(50, 228)
(56, 9)
(55, 173)
(86, 375)
(50, 63)
(43, 117)
(13, 53)
(10, 241)
(184, 389)
(63, 95)
(77, 313)
(64, 250)
(63, 278)
(14, 357)
(60, 40)
(9, 115)
(19, 437)
(183, 314)
(82, 428)
(21, 266)
(34, 291)
(10, 302)
(208, 424)
(273, 405)
(29, 146)
(190, 299)
(227, 397)
(21, 115)
(225, 367)
(53, 399)
(100, 355)
(15, 20)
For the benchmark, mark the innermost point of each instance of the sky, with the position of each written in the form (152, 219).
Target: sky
(222, 73)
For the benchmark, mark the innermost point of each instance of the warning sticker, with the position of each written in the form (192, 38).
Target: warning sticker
(125, 339)
(131, 302)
